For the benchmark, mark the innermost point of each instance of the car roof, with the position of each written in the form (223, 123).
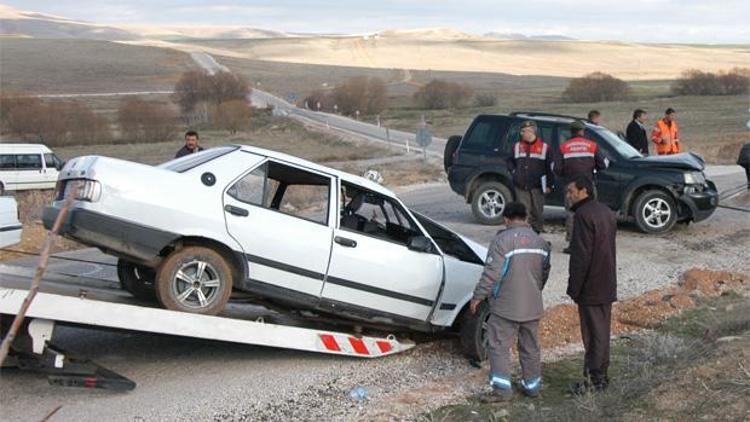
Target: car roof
(24, 147)
(545, 117)
(347, 177)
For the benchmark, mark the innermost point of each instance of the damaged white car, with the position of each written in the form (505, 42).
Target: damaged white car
(288, 231)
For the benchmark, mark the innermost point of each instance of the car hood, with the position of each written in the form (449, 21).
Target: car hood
(686, 161)
(478, 249)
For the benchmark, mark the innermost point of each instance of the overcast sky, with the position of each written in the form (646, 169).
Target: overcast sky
(685, 21)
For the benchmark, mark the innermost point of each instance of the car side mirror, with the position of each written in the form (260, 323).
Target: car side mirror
(420, 244)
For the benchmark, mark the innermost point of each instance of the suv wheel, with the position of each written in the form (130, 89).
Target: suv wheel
(194, 279)
(488, 202)
(655, 212)
(136, 279)
(474, 332)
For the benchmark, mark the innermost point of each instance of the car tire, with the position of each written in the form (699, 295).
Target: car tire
(450, 147)
(137, 280)
(474, 332)
(655, 212)
(194, 279)
(488, 202)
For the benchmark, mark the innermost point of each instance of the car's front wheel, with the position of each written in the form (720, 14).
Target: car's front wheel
(194, 279)
(655, 212)
(136, 279)
(474, 332)
(488, 202)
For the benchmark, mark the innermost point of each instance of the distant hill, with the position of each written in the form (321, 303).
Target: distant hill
(37, 25)
(517, 36)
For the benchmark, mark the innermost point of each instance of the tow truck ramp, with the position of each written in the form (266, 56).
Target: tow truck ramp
(70, 300)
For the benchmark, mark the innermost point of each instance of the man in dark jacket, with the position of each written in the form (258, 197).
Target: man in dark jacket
(531, 167)
(191, 144)
(516, 270)
(636, 134)
(592, 280)
(744, 161)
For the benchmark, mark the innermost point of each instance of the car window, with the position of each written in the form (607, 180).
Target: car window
(28, 161)
(191, 161)
(285, 189)
(7, 161)
(450, 243)
(376, 215)
(485, 134)
(611, 141)
(52, 161)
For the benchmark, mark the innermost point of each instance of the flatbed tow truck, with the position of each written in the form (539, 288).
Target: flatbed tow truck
(80, 301)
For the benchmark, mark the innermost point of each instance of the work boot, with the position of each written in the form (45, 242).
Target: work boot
(497, 395)
(566, 250)
(580, 388)
(531, 388)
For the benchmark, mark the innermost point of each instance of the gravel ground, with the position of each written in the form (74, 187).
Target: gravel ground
(186, 379)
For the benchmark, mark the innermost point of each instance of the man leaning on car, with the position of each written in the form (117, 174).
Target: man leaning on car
(191, 144)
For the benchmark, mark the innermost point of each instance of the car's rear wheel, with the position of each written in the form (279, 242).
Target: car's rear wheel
(194, 279)
(474, 332)
(136, 279)
(655, 212)
(450, 148)
(488, 202)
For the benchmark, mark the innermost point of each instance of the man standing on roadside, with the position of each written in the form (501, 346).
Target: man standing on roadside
(515, 272)
(531, 167)
(595, 117)
(578, 157)
(592, 280)
(191, 144)
(635, 134)
(744, 161)
(666, 134)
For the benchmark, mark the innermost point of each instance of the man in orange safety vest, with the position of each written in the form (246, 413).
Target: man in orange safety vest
(666, 134)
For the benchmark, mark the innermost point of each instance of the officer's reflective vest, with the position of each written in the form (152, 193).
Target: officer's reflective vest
(666, 137)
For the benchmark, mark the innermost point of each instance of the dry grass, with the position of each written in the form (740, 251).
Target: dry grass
(85, 66)
(281, 135)
(400, 173)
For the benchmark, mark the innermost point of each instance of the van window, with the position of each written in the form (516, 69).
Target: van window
(485, 134)
(7, 161)
(51, 161)
(29, 161)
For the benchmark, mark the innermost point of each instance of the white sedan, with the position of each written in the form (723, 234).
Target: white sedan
(300, 235)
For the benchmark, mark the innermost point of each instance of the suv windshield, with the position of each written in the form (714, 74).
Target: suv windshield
(191, 161)
(623, 148)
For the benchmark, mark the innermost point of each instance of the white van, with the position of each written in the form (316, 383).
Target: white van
(28, 166)
(10, 227)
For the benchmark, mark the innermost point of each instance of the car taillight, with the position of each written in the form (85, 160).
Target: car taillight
(86, 190)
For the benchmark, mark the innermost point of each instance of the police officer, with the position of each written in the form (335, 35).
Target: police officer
(531, 167)
(516, 270)
(578, 156)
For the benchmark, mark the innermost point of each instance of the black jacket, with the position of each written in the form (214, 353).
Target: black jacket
(744, 158)
(593, 265)
(637, 137)
(530, 163)
(185, 151)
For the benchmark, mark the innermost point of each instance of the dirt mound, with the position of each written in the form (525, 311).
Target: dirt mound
(560, 324)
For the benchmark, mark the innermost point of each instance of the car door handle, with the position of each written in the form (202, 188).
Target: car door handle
(236, 210)
(349, 243)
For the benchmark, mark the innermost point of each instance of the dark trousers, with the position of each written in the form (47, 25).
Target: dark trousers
(533, 200)
(595, 332)
(747, 174)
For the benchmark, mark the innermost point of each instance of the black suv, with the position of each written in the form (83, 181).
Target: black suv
(655, 191)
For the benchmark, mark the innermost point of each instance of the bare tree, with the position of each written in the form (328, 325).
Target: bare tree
(440, 94)
(234, 115)
(596, 87)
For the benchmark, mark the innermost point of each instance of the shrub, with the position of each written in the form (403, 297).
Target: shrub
(360, 93)
(596, 87)
(232, 115)
(196, 87)
(439, 94)
(485, 99)
(696, 82)
(145, 121)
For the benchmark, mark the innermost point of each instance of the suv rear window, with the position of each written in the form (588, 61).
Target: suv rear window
(487, 132)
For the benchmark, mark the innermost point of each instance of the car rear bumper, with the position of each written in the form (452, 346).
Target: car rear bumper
(113, 235)
(701, 204)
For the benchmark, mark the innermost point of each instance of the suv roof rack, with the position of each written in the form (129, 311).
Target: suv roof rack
(543, 114)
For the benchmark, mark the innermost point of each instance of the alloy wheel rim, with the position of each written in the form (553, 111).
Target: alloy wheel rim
(196, 284)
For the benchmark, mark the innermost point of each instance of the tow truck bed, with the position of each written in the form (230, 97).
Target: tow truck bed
(99, 303)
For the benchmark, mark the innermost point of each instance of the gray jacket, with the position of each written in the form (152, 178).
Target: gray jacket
(516, 270)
